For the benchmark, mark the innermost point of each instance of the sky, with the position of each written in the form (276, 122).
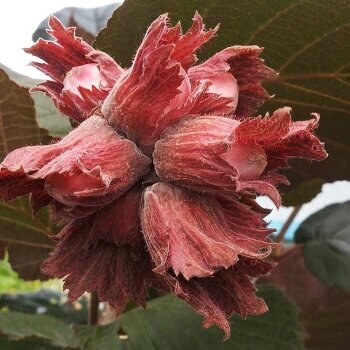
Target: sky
(20, 18)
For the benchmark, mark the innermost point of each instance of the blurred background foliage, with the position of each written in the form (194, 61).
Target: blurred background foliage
(11, 283)
(309, 43)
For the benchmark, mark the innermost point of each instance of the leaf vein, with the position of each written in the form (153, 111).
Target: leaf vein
(306, 47)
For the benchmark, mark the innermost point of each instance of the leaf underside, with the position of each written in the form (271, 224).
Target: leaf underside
(326, 239)
(26, 238)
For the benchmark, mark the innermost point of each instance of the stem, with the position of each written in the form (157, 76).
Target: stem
(285, 227)
(93, 309)
(278, 250)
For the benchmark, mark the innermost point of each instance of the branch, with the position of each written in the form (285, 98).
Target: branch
(93, 309)
(277, 251)
(285, 227)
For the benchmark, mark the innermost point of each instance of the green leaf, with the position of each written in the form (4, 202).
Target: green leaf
(28, 331)
(26, 344)
(169, 324)
(307, 42)
(12, 283)
(99, 337)
(326, 239)
(49, 118)
(19, 326)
